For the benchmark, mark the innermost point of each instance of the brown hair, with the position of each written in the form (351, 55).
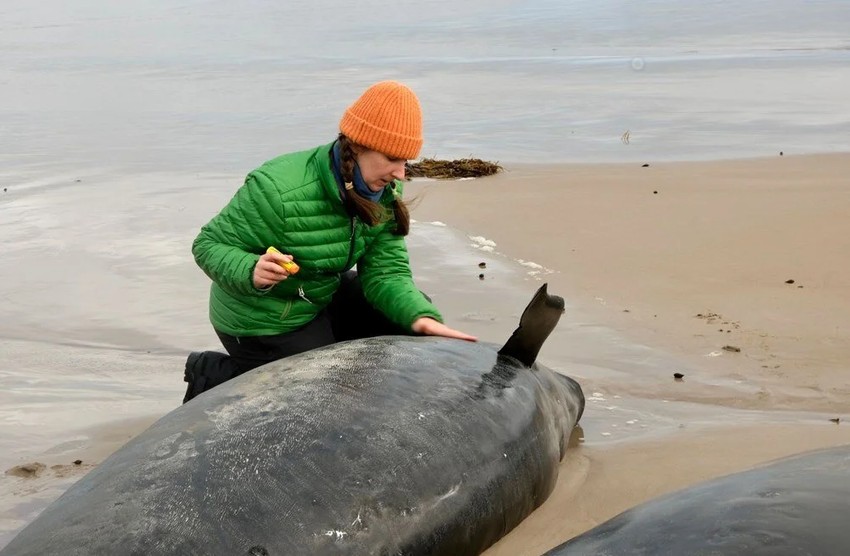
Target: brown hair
(369, 212)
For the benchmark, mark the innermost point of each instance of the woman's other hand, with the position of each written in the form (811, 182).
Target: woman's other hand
(431, 327)
(269, 271)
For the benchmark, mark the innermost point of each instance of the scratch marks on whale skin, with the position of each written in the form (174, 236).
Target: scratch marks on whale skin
(182, 443)
(451, 492)
(344, 534)
(338, 535)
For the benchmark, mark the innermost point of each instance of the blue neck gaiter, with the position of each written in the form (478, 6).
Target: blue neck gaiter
(359, 185)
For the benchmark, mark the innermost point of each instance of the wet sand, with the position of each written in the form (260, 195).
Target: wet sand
(689, 258)
(89, 367)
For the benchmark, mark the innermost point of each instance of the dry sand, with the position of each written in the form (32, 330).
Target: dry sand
(686, 258)
(718, 239)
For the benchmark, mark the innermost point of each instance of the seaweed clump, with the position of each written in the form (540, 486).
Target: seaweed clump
(451, 169)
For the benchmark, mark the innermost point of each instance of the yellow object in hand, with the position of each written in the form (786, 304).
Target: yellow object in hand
(290, 266)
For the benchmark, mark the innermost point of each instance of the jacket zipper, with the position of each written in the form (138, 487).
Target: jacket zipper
(302, 295)
(350, 247)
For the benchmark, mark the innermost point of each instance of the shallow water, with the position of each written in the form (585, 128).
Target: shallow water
(214, 86)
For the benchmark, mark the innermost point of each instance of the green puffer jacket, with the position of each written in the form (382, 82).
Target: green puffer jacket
(293, 203)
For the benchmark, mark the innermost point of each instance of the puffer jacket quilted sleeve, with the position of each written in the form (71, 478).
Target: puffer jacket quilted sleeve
(226, 249)
(387, 280)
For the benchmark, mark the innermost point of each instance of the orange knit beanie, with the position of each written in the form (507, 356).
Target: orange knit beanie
(386, 118)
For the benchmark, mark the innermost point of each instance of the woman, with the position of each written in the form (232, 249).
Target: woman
(327, 209)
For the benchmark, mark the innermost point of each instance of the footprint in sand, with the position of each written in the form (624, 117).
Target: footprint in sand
(36, 469)
(27, 470)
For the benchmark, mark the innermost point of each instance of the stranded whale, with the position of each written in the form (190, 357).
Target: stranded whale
(388, 445)
(795, 506)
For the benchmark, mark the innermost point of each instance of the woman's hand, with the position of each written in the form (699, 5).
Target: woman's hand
(269, 271)
(431, 327)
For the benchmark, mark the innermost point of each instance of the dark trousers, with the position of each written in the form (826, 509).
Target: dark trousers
(349, 316)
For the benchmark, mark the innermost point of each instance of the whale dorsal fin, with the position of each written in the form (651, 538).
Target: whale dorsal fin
(536, 323)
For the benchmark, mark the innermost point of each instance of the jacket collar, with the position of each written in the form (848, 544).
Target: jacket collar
(323, 162)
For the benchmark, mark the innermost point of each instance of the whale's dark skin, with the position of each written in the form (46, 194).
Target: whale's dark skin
(797, 506)
(389, 445)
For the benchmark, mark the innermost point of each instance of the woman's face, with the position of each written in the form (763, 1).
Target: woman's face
(377, 169)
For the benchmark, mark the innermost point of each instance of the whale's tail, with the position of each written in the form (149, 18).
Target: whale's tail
(536, 323)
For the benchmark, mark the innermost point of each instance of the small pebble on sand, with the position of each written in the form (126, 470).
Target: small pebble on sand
(789, 281)
(733, 349)
(482, 265)
(678, 376)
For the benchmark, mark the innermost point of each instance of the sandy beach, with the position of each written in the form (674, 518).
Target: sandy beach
(688, 259)
(661, 267)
